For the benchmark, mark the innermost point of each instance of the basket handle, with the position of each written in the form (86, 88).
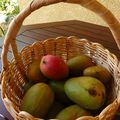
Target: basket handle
(16, 23)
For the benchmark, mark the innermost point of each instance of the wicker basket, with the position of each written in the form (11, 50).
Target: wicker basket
(14, 72)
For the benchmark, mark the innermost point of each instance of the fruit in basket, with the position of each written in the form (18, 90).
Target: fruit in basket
(37, 100)
(54, 67)
(58, 88)
(98, 72)
(34, 72)
(28, 86)
(88, 92)
(72, 113)
(54, 110)
(78, 64)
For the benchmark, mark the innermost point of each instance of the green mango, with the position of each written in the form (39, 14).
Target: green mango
(60, 95)
(78, 64)
(54, 110)
(28, 85)
(98, 72)
(72, 113)
(88, 92)
(37, 100)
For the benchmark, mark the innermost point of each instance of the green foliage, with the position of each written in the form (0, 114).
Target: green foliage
(1, 32)
(8, 8)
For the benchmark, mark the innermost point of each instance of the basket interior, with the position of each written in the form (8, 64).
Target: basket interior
(66, 47)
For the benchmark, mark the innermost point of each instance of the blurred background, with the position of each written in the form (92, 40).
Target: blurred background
(66, 11)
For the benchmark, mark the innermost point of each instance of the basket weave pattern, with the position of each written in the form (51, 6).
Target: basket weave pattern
(14, 72)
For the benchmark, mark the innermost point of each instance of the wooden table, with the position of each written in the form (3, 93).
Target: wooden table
(31, 33)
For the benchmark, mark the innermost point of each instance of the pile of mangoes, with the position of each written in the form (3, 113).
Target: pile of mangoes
(65, 90)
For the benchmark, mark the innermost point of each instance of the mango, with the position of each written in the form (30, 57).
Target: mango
(86, 91)
(34, 72)
(54, 67)
(37, 100)
(98, 72)
(28, 85)
(60, 95)
(72, 113)
(54, 110)
(78, 64)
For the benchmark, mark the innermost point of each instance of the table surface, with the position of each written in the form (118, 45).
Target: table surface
(31, 33)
